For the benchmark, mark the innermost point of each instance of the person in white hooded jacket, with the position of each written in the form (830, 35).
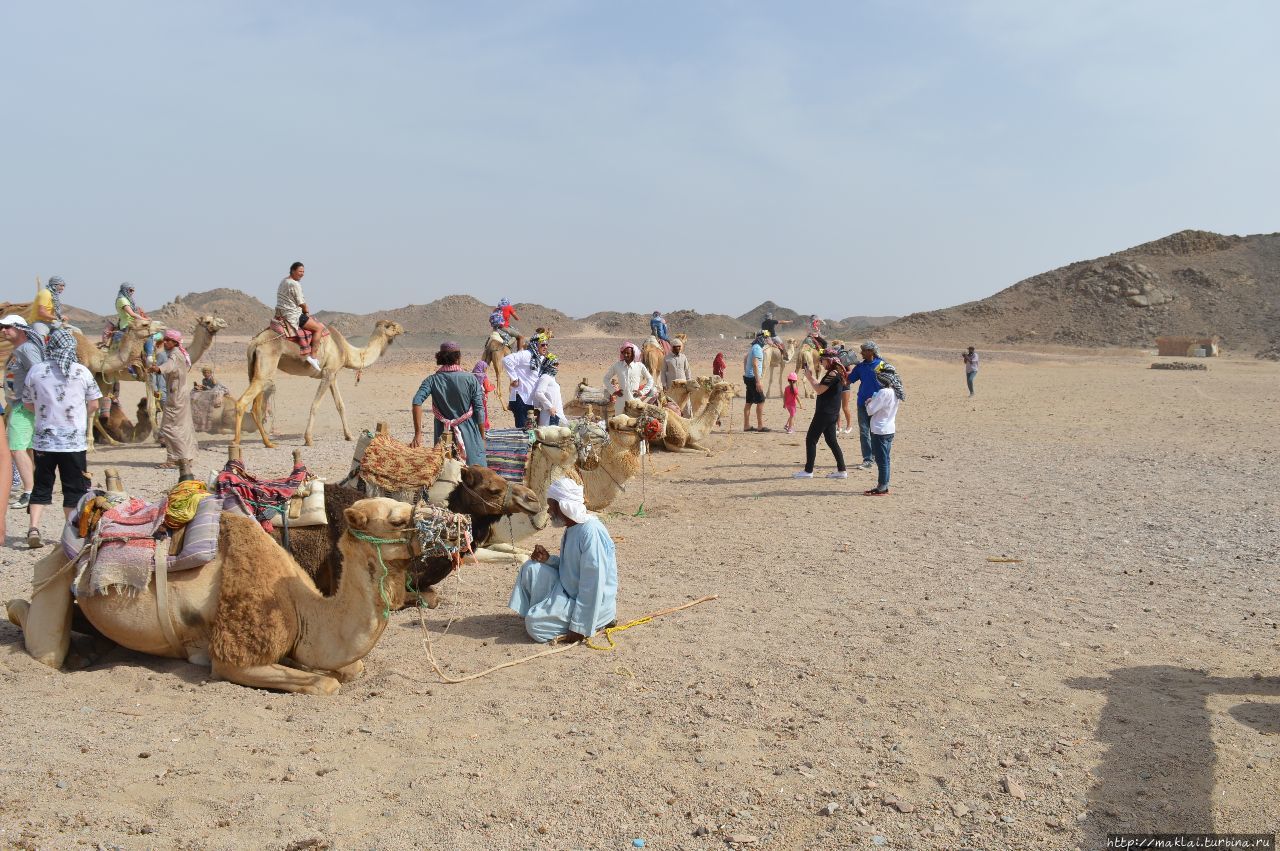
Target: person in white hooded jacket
(547, 397)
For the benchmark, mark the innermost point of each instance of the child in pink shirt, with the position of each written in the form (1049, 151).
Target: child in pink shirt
(791, 400)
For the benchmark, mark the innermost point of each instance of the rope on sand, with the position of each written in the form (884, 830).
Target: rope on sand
(428, 641)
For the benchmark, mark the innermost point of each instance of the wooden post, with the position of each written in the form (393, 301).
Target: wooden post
(233, 453)
(184, 471)
(112, 479)
(297, 457)
(381, 428)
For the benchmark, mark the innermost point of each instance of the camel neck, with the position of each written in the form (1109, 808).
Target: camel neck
(340, 629)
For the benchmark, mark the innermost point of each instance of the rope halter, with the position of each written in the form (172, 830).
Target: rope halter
(378, 544)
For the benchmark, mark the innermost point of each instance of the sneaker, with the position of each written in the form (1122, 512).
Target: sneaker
(838, 474)
(315, 364)
(24, 499)
(789, 430)
(865, 465)
(33, 540)
(801, 474)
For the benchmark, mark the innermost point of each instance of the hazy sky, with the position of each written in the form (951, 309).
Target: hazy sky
(842, 158)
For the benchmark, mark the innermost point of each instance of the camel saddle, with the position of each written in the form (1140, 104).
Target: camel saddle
(396, 467)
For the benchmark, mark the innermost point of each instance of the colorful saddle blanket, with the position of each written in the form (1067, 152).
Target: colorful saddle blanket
(121, 553)
(261, 499)
(508, 451)
(394, 466)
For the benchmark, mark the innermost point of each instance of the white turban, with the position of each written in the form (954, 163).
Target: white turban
(568, 495)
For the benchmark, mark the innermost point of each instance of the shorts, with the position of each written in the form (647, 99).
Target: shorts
(22, 426)
(71, 467)
(754, 396)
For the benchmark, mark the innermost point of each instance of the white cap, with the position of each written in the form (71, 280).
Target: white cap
(13, 319)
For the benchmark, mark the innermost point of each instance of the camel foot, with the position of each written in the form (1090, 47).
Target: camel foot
(276, 677)
(349, 672)
(17, 610)
(346, 436)
(429, 598)
(307, 440)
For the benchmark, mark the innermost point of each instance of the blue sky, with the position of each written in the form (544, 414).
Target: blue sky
(842, 158)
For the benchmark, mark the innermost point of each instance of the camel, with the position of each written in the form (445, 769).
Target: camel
(494, 351)
(485, 497)
(695, 393)
(686, 435)
(806, 357)
(212, 413)
(252, 613)
(109, 366)
(120, 430)
(270, 353)
(777, 362)
(652, 354)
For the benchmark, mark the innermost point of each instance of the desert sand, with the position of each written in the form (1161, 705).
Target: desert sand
(868, 677)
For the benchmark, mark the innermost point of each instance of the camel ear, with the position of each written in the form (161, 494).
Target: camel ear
(356, 518)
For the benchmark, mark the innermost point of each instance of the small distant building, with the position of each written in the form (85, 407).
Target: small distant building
(1188, 347)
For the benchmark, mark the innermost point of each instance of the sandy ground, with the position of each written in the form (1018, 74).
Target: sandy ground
(868, 678)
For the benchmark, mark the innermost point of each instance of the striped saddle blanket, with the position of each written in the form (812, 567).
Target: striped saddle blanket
(508, 452)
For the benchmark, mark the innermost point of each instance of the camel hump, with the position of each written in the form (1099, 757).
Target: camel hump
(251, 625)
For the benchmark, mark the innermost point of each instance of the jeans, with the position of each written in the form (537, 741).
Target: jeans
(968, 376)
(827, 429)
(864, 432)
(521, 411)
(881, 444)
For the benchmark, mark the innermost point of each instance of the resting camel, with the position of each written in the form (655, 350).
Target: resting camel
(696, 392)
(485, 496)
(214, 411)
(686, 435)
(777, 362)
(118, 427)
(109, 366)
(270, 353)
(249, 611)
(652, 354)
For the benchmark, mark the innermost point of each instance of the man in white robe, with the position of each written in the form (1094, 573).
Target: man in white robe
(573, 595)
(632, 379)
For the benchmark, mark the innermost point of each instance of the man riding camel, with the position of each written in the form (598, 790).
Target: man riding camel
(295, 316)
(45, 312)
(658, 327)
(770, 325)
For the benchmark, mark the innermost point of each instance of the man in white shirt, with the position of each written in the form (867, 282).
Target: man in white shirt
(882, 407)
(628, 378)
(291, 306)
(675, 367)
(62, 394)
(523, 368)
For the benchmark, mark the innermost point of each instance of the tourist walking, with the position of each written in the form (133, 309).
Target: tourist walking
(28, 350)
(864, 373)
(970, 367)
(826, 415)
(791, 401)
(753, 382)
(523, 368)
(457, 403)
(883, 408)
(62, 394)
(177, 430)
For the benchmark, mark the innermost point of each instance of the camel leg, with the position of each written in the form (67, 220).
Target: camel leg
(342, 407)
(499, 553)
(278, 677)
(46, 620)
(246, 403)
(326, 379)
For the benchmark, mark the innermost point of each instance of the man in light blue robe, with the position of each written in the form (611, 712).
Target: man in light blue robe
(573, 595)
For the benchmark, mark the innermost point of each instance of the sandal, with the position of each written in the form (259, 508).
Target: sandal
(167, 465)
(749, 428)
(764, 428)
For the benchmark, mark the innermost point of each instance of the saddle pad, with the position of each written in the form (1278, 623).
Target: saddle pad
(396, 466)
(592, 395)
(508, 450)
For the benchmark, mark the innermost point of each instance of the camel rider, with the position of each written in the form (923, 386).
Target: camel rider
(500, 321)
(628, 379)
(46, 310)
(127, 315)
(658, 327)
(291, 307)
(569, 597)
(769, 324)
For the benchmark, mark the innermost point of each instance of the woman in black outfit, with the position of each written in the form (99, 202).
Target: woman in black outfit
(826, 414)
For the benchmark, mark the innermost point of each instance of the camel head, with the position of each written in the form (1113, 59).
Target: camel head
(388, 328)
(483, 492)
(211, 324)
(385, 519)
(142, 330)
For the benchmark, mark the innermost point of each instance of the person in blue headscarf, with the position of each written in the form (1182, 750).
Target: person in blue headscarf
(571, 596)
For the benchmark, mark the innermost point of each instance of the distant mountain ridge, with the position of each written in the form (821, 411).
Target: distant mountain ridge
(1190, 282)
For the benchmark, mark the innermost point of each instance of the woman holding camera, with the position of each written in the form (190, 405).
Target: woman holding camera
(826, 414)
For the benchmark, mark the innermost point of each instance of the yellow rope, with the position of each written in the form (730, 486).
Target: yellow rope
(609, 631)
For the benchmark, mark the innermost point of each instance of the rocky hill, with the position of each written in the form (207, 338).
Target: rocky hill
(1192, 282)
(696, 325)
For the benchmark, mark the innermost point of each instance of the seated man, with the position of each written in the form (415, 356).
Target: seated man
(658, 328)
(291, 307)
(500, 321)
(208, 382)
(571, 596)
